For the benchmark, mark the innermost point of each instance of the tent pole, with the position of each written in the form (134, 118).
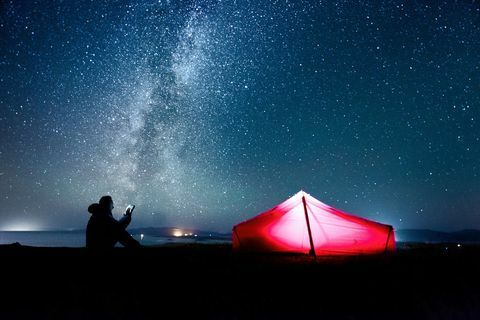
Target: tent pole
(312, 248)
(388, 239)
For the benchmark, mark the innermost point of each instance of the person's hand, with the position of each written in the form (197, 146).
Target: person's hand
(129, 210)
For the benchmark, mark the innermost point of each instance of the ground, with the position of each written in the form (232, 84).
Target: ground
(211, 281)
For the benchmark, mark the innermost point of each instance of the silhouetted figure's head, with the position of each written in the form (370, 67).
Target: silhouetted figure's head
(106, 203)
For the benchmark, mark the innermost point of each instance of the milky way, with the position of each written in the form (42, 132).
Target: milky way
(204, 113)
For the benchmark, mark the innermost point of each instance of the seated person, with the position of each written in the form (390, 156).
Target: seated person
(104, 231)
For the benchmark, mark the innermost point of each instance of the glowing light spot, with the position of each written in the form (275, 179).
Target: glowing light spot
(177, 233)
(21, 226)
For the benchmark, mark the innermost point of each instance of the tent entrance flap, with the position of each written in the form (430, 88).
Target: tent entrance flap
(312, 247)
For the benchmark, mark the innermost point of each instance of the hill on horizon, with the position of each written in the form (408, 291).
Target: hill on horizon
(179, 232)
(433, 236)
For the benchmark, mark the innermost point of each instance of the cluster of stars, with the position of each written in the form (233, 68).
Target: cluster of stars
(206, 113)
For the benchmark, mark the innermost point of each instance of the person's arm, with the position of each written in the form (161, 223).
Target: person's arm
(125, 221)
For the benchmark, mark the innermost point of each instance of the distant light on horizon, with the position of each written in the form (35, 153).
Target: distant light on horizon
(177, 233)
(21, 226)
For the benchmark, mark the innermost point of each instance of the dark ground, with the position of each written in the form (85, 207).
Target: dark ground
(209, 281)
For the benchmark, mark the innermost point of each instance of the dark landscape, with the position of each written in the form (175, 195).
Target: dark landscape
(197, 281)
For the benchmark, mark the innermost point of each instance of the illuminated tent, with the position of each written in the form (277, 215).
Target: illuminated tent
(305, 225)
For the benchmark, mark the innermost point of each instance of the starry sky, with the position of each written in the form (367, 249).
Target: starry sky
(206, 113)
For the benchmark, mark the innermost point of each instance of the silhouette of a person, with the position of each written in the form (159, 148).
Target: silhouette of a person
(104, 231)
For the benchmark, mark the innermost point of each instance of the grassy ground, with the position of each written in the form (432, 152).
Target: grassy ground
(209, 281)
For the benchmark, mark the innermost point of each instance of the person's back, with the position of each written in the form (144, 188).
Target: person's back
(103, 231)
(100, 229)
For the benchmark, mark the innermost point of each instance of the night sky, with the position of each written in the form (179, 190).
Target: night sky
(205, 113)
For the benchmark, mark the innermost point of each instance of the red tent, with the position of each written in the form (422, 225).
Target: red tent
(304, 224)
